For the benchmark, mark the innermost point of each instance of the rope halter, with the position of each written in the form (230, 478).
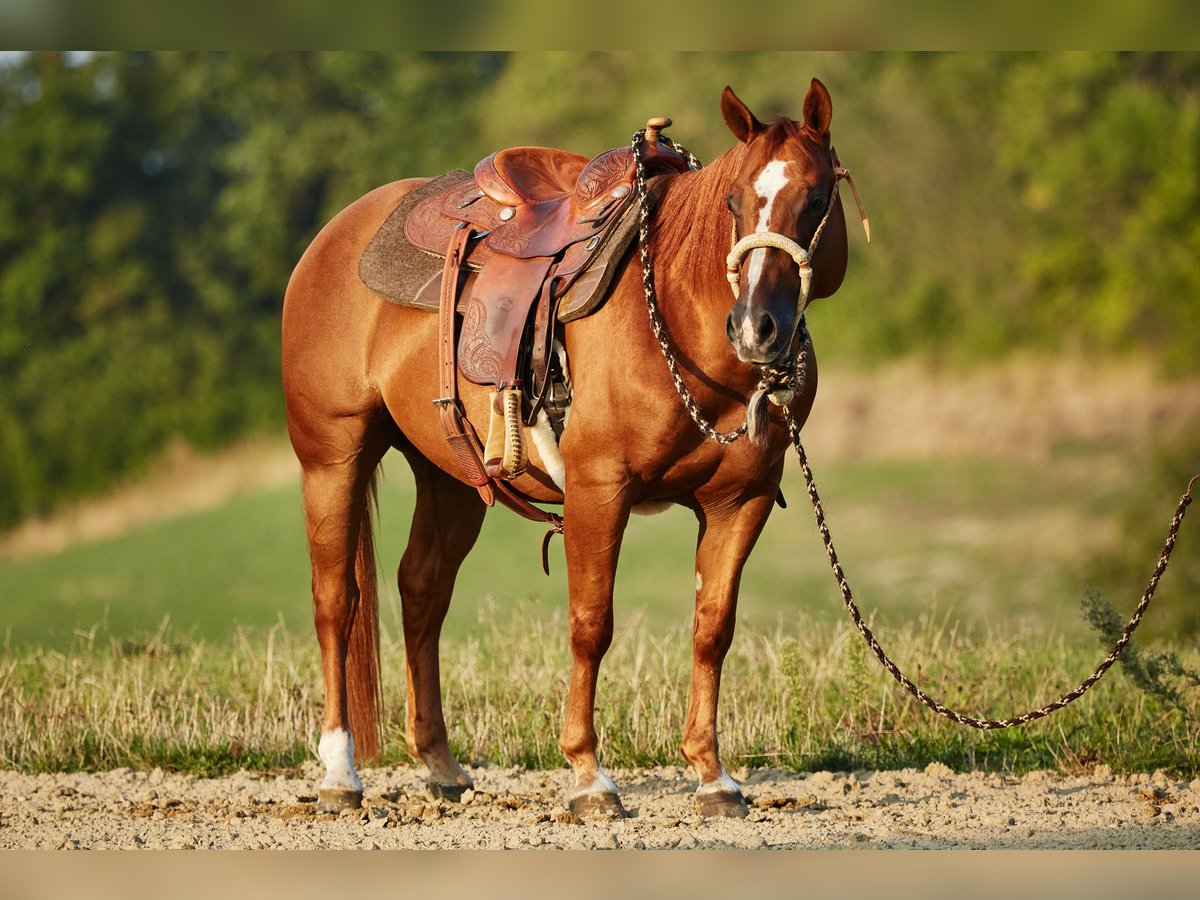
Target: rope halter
(733, 261)
(780, 383)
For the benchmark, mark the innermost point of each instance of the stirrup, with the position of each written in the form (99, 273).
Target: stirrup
(504, 453)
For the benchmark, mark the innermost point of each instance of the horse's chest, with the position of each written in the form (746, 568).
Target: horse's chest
(707, 472)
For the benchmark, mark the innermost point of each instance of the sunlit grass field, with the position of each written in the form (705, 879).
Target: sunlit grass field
(186, 640)
(979, 541)
(804, 698)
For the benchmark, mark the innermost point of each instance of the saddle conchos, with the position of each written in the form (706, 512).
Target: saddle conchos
(532, 238)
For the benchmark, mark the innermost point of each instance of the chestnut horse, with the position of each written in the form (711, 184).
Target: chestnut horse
(359, 376)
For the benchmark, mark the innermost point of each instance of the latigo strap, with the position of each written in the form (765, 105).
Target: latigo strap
(463, 440)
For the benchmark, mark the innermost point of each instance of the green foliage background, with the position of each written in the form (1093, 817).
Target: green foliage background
(152, 206)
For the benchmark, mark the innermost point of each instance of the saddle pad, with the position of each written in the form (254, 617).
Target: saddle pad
(400, 272)
(391, 266)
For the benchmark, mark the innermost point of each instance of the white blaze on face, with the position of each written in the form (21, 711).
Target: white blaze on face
(770, 181)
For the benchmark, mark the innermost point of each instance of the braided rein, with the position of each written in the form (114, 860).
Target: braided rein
(780, 383)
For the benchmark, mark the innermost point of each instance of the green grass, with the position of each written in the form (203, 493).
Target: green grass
(188, 644)
(243, 563)
(804, 698)
(980, 541)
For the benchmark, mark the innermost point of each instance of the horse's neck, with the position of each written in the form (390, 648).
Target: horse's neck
(689, 243)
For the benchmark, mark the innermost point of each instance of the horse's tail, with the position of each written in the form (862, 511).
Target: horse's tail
(364, 691)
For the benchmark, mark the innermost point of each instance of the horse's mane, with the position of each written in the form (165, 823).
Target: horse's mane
(692, 210)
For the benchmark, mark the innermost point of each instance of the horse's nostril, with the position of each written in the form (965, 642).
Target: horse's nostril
(730, 329)
(766, 328)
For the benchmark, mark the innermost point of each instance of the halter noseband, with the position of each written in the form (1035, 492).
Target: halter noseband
(758, 239)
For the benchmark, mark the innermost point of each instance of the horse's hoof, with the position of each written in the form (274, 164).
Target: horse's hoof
(334, 800)
(597, 804)
(439, 790)
(722, 804)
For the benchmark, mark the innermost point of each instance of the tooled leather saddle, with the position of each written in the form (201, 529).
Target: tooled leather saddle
(532, 238)
(538, 217)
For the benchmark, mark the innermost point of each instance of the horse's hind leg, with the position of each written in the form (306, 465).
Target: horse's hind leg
(445, 525)
(338, 465)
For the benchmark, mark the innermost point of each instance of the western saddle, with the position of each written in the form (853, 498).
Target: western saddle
(524, 240)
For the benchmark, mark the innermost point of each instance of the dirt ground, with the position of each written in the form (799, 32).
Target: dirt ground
(516, 809)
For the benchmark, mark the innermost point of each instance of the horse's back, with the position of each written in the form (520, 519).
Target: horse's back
(333, 254)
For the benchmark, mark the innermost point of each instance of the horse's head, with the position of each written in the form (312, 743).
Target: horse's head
(784, 188)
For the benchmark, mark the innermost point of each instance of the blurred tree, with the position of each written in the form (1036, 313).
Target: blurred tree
(1104, 154)
(152, 207)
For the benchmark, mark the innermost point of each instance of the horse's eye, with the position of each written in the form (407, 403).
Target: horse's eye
(817, 204)
(731, 203)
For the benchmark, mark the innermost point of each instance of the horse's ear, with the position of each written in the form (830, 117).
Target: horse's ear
(738, 117)
(818, 108)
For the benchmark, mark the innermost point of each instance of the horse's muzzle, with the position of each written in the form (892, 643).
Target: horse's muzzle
(757, 336)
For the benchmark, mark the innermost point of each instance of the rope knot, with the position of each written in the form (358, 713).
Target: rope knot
(778, 383)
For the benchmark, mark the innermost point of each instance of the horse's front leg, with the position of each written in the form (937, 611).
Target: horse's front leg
(727, 535)
(596, 513)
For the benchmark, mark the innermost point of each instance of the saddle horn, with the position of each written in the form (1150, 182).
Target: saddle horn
(655, 126)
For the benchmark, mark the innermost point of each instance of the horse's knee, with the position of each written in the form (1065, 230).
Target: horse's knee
(712, 637)
(591, 635)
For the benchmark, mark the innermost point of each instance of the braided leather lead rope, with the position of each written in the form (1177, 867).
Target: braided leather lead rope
(791, 376)
(893, 669)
